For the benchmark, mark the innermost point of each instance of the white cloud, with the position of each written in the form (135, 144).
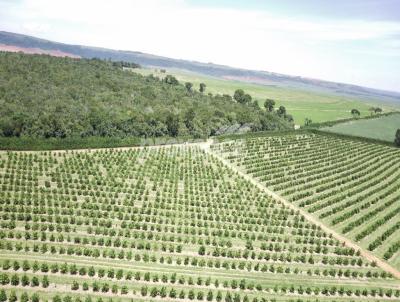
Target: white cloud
(243, 38)
(36, 27)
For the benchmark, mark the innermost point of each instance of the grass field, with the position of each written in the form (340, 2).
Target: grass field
(383, 128)
(168, 223)
(352, 186)
(301, 104)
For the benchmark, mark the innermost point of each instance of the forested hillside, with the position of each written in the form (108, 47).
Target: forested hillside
(206, 69)
(44, 96)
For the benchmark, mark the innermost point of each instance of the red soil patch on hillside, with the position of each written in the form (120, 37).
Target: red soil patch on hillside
(249, 79)
(55, 53)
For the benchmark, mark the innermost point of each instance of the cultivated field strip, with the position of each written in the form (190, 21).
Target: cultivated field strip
(352, 186)
(167, 224)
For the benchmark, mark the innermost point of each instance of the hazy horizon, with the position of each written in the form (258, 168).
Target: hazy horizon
(356, 43)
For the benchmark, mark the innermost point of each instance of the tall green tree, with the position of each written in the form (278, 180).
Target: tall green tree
(188, 86)
(238, 95)
(189, 117)
(397, 138)
(169, 79)
(172, 123)
(371, 109)
(355, 112)
(255, 104)
(269, 105)
(202, 88)
(241, 97)
(281, 111)
(247, 98)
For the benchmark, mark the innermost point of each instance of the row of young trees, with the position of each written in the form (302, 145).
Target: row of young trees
(241, 222)
(72, 220)
(24, 297)
(208, 262)
(154, 208)
(155, 291)
(346, 182)
(397, 138)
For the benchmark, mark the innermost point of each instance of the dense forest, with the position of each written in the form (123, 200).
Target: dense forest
(43, 96)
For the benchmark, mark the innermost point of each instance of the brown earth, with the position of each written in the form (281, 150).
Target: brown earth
(55, 53)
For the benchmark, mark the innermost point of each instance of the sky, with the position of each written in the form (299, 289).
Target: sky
(349, 41)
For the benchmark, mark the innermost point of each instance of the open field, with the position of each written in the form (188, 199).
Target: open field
(165, 223)
(351, 186)
(383, 128)
(301, 104)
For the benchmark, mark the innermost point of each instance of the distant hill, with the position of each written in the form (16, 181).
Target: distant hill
(31, 44)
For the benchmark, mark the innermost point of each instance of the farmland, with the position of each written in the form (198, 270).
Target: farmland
(302, 104)
(351, 186)
(383, 128)
(174, 223)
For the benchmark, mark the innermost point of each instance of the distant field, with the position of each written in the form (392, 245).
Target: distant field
(383, 128)
(301, 104)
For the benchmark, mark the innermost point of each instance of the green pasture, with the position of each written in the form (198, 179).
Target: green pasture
(383, 128)
(317, 106)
